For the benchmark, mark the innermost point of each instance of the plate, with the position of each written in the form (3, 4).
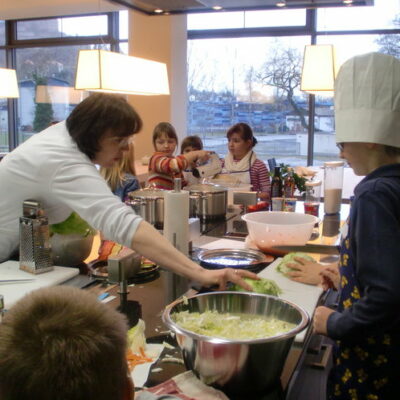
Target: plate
(249, 259)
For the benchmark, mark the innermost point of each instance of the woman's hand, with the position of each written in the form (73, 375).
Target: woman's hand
(321, 316)
(330, 277)
(221, 277)
(305, 271)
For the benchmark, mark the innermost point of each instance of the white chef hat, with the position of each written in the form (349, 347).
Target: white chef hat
(367, 100)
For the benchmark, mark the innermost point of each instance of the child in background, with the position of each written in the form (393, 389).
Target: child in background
(191, 143)
(163, 166)
(121, 176)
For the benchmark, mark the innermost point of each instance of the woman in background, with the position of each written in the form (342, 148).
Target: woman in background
(242, 164)
(121, 176)
(163, 165)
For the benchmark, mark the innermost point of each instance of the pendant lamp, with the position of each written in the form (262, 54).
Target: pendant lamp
(107, 71)
(8, 83)
(319, 69)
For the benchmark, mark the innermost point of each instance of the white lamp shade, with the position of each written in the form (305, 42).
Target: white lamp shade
(8, 83)
(59, 94)
(106, 71)
(319, 68)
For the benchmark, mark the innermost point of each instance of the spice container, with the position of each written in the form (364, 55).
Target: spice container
(312, 197)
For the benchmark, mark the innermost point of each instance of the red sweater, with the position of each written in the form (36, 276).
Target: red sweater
(163, 169)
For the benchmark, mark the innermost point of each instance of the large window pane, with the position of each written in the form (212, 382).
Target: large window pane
(380, 16)
(46, 80)
(3, 112)
(95, 25)
(123, 25)
(252, 80)
(2, 33)
(246, 19)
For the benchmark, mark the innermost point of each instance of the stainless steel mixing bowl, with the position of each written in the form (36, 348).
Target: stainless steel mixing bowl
(237, 367)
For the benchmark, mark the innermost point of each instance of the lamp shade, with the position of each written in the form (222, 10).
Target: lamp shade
(8, 83)
(106, 71)
(59, 94)
(319, 68)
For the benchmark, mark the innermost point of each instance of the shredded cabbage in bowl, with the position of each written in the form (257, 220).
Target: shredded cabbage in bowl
(231, 326)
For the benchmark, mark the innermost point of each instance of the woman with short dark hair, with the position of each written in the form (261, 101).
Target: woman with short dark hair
(57, 167)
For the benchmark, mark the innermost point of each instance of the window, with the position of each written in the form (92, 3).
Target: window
(252, 80)
(233, 75)
(44, 53)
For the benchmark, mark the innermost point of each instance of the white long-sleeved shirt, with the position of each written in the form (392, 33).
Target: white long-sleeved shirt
(51, 169)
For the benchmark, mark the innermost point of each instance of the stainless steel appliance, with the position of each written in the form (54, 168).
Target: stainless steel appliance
(207, 201)
(34, 244)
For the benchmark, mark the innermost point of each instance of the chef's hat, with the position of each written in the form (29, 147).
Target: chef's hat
(367, 100)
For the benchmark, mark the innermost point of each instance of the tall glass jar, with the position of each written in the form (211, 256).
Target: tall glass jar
(333, 185)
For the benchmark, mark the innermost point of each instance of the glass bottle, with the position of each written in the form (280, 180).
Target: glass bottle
(289, 185)
(276, 183)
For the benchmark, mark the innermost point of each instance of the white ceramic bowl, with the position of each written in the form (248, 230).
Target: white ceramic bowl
(275, 228)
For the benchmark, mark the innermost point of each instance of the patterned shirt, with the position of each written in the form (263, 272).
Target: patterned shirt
(163, 169)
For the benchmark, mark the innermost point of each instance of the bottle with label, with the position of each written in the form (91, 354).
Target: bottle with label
(276, 183)
(289, 185)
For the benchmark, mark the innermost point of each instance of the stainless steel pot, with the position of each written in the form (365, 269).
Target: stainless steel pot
(244, 368)
(207, 201)
(149, 204)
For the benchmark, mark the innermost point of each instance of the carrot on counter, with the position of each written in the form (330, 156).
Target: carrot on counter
(136, 359)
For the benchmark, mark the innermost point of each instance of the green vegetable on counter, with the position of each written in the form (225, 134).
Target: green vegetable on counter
(263, 286)
(74, 224)
(289, 258)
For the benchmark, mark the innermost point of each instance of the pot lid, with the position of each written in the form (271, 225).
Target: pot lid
(205, 187)
(147, 193)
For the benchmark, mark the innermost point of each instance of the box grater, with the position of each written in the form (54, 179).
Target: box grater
(34, 239)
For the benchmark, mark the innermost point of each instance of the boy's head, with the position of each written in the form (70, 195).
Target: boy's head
(191, 143)
(367, 100)
(62, 343)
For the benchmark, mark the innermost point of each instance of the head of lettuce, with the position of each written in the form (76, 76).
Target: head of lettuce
(71, 241)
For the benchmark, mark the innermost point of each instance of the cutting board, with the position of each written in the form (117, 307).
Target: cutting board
(12, 292)
(305, 296)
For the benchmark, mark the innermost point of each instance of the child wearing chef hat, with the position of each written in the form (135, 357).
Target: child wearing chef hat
(366, 323)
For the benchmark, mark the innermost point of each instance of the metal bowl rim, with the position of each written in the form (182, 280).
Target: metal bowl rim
(166, 317)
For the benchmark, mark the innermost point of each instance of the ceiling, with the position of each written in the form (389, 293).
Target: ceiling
(192, 6)
(20, 9)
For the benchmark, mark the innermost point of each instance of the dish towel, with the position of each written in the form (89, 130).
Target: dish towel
(184, 386)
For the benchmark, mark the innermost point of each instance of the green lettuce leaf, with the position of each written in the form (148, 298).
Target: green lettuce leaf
(289, 258)
(263, 286)
(74, 224)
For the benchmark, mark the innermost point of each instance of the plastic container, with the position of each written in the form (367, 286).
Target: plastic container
(312, 197)
(333, 186)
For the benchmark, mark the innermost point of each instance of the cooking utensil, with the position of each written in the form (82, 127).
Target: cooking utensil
(248, 259)
(243, 368)
(278, 228)
(149, 204)
(207, 201)
(22, 280)
(310, 248)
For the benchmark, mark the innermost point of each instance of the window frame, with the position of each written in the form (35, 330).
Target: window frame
(309, 29)
(12, 44)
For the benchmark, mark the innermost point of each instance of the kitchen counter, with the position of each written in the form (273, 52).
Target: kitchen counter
(152, 300)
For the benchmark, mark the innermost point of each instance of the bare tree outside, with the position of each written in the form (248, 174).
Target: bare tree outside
(283, 71)
(390, 44)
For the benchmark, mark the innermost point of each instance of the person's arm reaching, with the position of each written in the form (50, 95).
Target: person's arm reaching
(151, 244)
